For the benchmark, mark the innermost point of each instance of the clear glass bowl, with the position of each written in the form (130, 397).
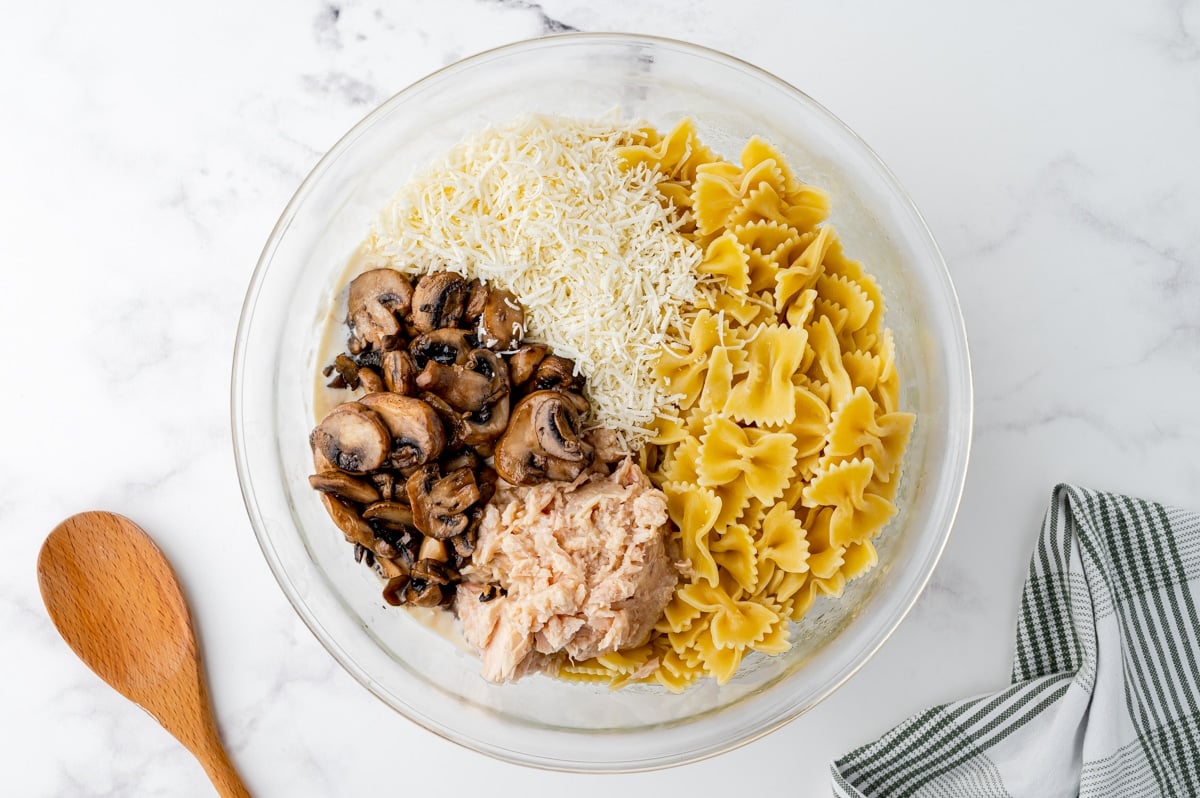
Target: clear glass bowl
(428, 678)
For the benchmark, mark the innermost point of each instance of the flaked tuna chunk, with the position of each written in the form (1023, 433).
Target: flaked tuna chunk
(583, 566)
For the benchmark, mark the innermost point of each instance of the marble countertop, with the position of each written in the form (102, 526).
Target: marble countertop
(149, 148)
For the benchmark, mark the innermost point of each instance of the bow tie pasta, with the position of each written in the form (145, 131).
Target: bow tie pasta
(782, 460)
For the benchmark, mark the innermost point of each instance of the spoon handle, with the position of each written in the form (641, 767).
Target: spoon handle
(221, 771)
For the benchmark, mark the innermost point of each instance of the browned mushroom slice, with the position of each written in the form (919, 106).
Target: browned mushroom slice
(355, 528)
(417, 434)
(390, 514)
(483, 427)
(477, 295)
(377, 298)
(487, 363)
(523, 362)
(463, 459)
(542, 441)
(452, 420)
(386, 483)
(347, 372)
(439, 503)
(420, 593)
(446, 346)
(464, 390)
(438, 301)
(389, 568)
(556, 425)
(486, 479)
(433, 571)
(352, 438)
(370, 381)
(555, 373)
(464, 544)
(433, 549)
(344, 486)
(503, 321)
(399, 372)
(393, 591)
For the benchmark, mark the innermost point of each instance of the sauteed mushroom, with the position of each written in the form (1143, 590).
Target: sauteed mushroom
(399, 372)
(502, 322)
(482, 428)
(417, 435)
(555, 373)
(344, 486)
(461, 388)
(447, 346)
(438, 301)
(420, 593)
(400, 470)
(352, 438)
(439, 503)
(390, 514)
(542, 441)
(522, 363)
(377, 298)
(477, 296)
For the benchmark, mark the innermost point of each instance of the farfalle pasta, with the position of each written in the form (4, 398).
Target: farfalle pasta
(782, 460)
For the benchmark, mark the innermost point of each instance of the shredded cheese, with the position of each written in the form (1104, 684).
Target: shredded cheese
(543, 207)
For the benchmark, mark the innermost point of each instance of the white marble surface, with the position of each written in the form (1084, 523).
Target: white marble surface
(149, 147)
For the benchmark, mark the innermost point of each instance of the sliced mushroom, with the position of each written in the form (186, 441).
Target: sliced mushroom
(393, 591)
(464, 544)
(477, 295)
(376, 299)
(439, 503)
(524, 361)
(503, 321)
(486, 479)
(351, 523)
(352, 438)
(556, 425)
(344, 486)
(347, 372)
(386, 483)
(355, 528)
(446, 346)
(555, 373)
(487, 363)
(452, 420)
(462, 389)
(388, 568)
(434, 571)
(420, 593)
(399, 372)
(369, 380)
(438, 301)
(390, 514)
(417, 434)
(433, 549)
(542, 441)
(481, 428)
(463, 459)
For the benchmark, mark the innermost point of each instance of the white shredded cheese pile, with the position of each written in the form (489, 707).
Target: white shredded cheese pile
(542, 206)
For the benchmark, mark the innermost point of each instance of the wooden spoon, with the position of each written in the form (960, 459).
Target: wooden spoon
(115, 600)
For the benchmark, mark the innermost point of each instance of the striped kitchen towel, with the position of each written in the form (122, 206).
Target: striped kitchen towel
(1105, 693)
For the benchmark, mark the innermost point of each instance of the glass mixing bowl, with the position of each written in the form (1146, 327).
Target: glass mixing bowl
(429, 678)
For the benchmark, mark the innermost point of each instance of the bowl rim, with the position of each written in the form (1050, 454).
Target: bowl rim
(965, 387)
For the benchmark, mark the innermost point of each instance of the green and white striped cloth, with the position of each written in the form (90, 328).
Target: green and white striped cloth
(1105, 694)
